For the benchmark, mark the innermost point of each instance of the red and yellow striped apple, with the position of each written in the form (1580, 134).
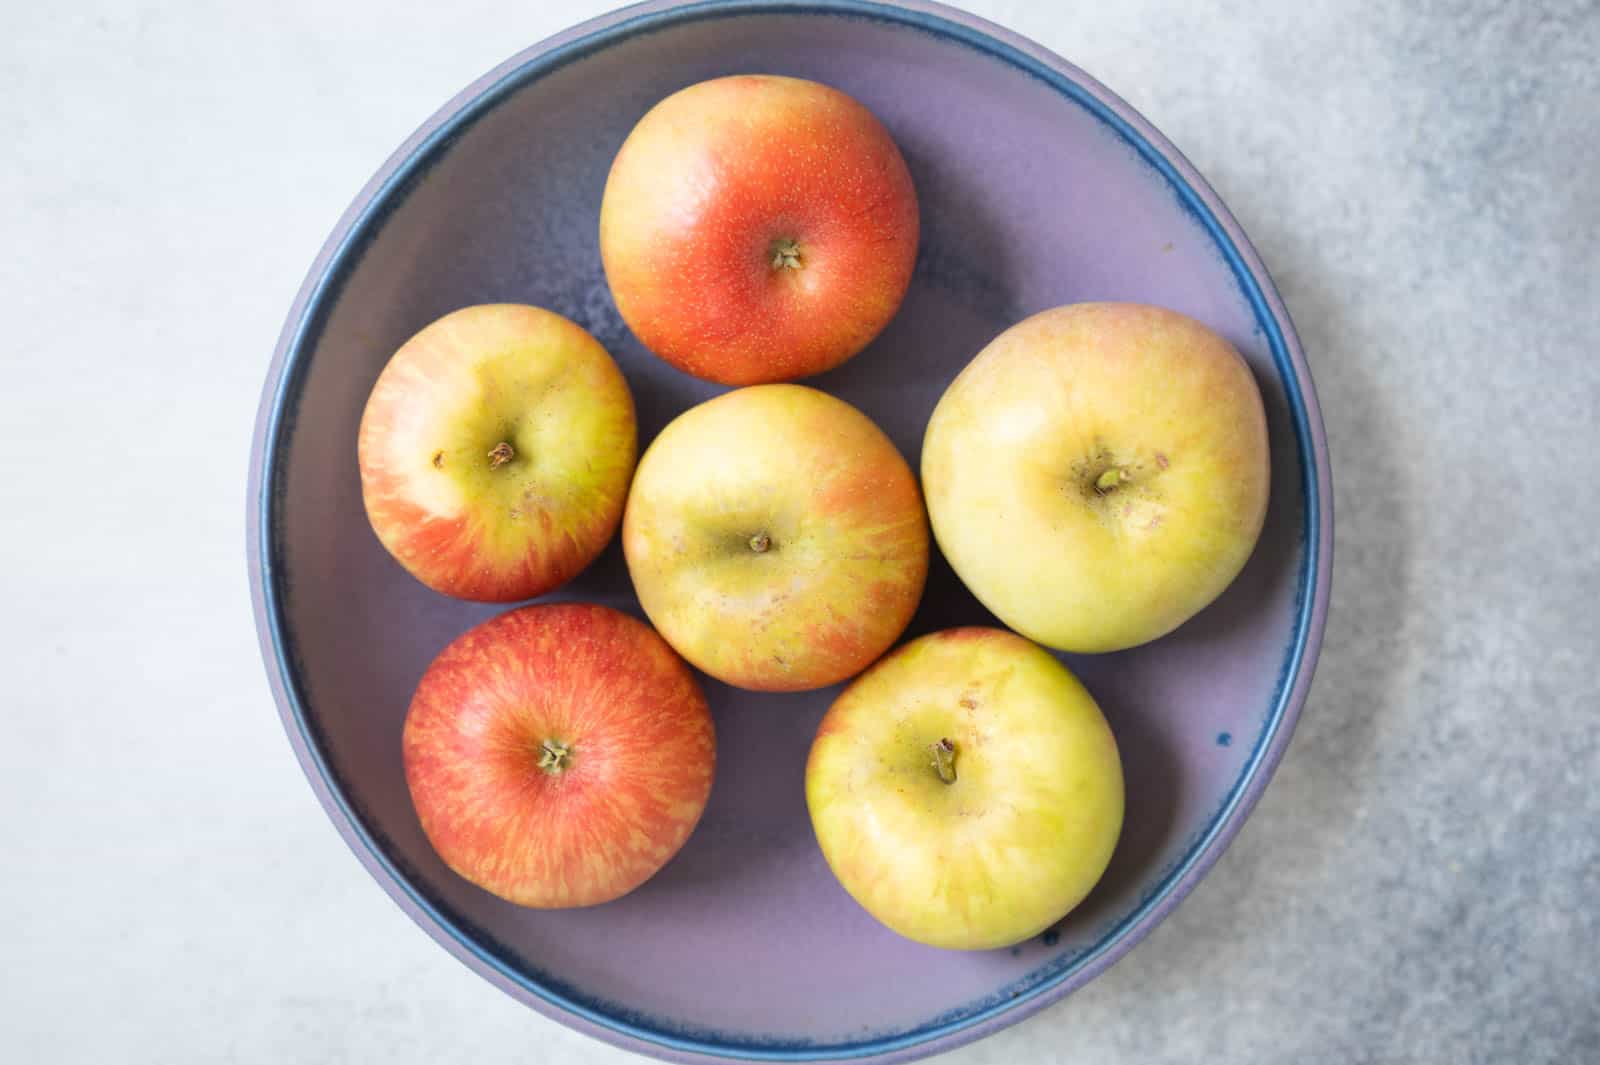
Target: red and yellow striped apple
(495, 452)
(1099, 473)
(966, 790)
(757, 229)
(776, 538)
(559, 754)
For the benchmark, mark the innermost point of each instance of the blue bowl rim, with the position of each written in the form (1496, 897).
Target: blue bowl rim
(343, 249)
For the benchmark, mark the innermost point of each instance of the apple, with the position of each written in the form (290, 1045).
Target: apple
(757, 229)
(966, 790)
(1098, 473)
(495, 452)
(776, 538)
(559, 754)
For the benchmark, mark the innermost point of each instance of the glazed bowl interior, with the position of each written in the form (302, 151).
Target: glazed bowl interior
(1037, 188)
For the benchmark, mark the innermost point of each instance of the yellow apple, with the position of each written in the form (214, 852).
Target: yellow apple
(776, 538)
(1098, 474)
(495, 452)
(966, 790)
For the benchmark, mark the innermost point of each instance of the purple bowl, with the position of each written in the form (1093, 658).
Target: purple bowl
(1038, 187)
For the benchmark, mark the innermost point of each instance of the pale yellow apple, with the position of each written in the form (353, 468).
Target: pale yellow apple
(776, 538)
(1098, 474)
(966, 790)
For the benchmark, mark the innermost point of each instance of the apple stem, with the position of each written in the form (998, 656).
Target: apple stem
(944, 760)
(786, 255)
(554, 756)
(760, 543)
(501, 454)
(1109, 480)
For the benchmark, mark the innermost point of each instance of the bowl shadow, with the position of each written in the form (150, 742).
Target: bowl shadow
(1255, 892)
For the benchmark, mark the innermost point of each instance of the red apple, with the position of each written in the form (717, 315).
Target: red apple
(496, 450)
(558, 755)
(758, 229)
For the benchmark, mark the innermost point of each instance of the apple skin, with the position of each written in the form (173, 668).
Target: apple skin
(1021, 833)
(606, 815)
(464, 517)
(776, 538)
(701, 199)
(1099, 473)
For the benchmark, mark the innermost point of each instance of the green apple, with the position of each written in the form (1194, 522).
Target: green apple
(966, 790)
(1098, 474)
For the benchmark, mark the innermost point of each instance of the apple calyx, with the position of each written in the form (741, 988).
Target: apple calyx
(554, 756)
(786, 254)
(501, 454)
(760, 543)
(944, 759)
(1110, 480)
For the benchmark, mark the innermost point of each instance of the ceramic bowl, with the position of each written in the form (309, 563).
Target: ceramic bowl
(1038, 187)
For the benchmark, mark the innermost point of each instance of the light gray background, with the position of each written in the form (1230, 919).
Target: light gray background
(1422, 880)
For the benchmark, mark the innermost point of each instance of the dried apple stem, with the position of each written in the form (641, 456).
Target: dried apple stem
(1109, 480)
(554, 756)
(944, 760)
(760, 543)
(786, 255)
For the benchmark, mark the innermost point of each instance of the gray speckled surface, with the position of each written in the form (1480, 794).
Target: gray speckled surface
(1419, 883)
